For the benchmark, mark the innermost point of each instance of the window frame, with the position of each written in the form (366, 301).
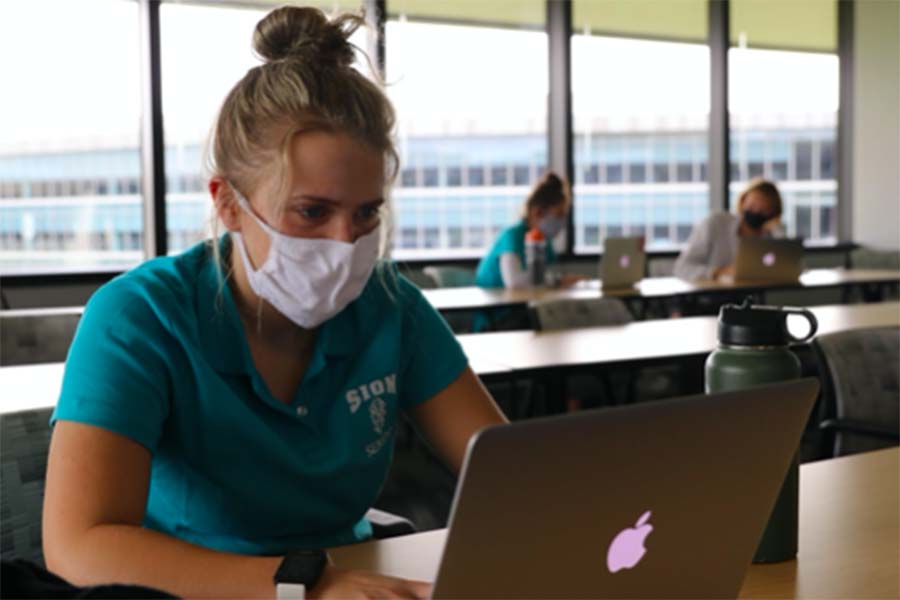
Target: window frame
(559, 131)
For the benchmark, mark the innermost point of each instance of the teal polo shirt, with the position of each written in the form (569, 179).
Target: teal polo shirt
(160, 357)
(511, 239)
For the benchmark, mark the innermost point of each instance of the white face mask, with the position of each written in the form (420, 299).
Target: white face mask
(309, 280)
(551, 226)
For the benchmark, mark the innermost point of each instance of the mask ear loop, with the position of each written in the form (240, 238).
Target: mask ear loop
(244, 203)
(247, 208)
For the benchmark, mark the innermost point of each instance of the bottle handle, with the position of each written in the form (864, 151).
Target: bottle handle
(810, 317)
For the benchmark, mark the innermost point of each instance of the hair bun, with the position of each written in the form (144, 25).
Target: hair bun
(552, 182)
(305, 33)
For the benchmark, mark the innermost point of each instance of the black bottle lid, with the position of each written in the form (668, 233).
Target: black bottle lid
(749, 325)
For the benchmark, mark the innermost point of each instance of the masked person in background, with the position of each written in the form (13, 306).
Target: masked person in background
(228, 413)
(712, 247)
(546, 208)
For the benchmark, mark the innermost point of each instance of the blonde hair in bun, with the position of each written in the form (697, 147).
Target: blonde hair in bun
(307, 83)
(306, 34)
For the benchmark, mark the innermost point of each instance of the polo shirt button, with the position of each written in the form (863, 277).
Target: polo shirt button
(302, 411)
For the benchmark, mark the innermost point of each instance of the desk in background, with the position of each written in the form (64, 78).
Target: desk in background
(643, 341)
(510, 353)
(653, 288)
(849, 537)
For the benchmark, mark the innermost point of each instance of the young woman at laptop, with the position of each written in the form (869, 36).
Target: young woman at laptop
(711, 250)
(229, 412)
(546, 209)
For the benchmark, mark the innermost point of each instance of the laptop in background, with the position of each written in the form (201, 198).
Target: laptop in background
(667, 499)
(766, 259)
(623, 262)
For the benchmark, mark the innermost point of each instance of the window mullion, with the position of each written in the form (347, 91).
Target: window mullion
(153, 171)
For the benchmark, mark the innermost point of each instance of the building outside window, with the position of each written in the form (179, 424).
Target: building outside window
(469, 83)
(640, 101)
(783, 102)
(472, 120)
(69, 130)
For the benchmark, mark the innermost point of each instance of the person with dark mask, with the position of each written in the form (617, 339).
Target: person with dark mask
(711, 250)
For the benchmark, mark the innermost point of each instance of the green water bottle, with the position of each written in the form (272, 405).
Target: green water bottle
(753, 350)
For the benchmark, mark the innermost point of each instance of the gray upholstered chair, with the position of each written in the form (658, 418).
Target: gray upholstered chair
(24, 441)
(571, 314)
(870, 258)
(559, 314)
(861, 395)
(37, 335)
(444, 277)
(450, 276)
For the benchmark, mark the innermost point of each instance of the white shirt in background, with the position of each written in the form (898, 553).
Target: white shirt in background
(713, 244)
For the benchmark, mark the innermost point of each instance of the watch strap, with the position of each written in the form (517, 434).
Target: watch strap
(290, 591)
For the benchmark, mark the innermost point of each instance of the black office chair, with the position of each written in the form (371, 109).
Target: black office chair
(860, 407)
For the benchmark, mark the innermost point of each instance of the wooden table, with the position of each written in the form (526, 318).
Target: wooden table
(848, 537)
(28, 387)
(644, 341)
(475, 298)
(504, 354)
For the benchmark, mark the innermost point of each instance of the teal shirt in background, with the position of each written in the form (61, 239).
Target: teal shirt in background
(488, 275)
(511, 239)
(160, 357)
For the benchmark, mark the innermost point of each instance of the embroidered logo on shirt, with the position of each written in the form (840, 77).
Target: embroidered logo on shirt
(374, 389)
(378, 412)
(373, 394)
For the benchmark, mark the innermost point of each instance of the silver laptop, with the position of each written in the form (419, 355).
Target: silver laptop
(623, 262)
(766, 259)
(667, 499)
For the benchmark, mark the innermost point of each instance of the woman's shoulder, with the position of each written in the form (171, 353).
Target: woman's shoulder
(511, 238)
(723, 217)
(719, 222)
(162, 284)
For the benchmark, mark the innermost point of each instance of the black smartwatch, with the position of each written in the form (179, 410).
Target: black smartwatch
(299, 572)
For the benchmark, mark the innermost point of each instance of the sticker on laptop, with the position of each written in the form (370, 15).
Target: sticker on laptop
(627, 548)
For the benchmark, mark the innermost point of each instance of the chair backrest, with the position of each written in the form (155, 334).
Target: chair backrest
(571, 314)
(661, 267)
(451, 276)
(869, 258)
(24, 442)
(37, 335)
(862, 368)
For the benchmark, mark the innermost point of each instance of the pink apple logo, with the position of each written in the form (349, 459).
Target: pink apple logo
(627, 549)
(624, 261)
(768, 259)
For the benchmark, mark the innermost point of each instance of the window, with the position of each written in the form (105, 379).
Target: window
(783, 102)
(469, 83)
(454, 176)
(195, 80)
(641, 108)
(69, 132)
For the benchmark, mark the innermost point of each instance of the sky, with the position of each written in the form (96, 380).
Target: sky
(71, 73)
